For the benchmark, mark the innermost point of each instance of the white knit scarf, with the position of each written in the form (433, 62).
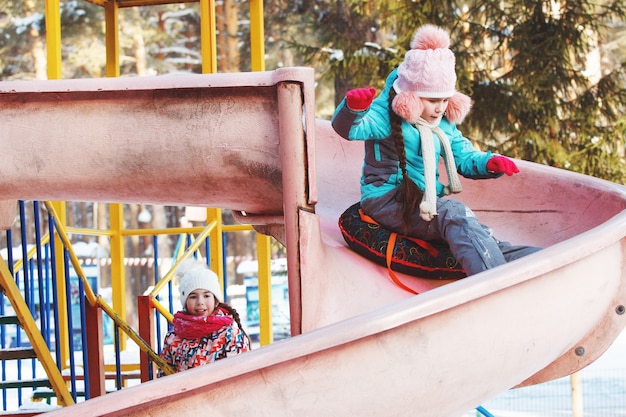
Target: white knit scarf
(428, 206)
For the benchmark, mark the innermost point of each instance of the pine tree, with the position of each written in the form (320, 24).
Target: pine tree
(546, 86)
(546, 77)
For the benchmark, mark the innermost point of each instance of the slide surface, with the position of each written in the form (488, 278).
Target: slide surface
(365, 344)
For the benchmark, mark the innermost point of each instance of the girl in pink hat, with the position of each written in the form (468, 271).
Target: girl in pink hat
(407, 129)
(206, 330)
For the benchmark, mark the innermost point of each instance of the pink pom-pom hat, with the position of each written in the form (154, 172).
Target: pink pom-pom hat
(428, 72)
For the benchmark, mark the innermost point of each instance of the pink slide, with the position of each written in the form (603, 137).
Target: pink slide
(361, 346)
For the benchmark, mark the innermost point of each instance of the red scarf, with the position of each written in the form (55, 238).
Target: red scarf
(191, 327)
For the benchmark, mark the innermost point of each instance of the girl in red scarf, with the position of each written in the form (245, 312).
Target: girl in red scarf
(206, 329)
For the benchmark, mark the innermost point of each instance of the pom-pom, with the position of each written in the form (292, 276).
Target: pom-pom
(430, 37)
(188, 265)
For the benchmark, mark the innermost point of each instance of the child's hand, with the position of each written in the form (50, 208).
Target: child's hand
(501, 164)
(360, 99)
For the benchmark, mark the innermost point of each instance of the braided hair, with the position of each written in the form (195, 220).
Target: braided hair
(231, 310)
(410, 194)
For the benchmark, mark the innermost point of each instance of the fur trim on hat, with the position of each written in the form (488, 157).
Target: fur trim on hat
(408, 106)
(459, 106)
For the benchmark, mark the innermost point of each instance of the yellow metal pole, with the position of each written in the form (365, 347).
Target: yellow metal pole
(257, 36)
(208, 43)
(216, 255)
(264, 273)
(53, 39)
(112, 39)
(208, 38)
(163, 310)
(118, 276)
(264, 278)
(54, 69)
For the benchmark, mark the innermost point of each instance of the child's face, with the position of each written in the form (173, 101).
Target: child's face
(200, 303)
(434, 108)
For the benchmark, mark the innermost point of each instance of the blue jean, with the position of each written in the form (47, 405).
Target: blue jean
(471, 242)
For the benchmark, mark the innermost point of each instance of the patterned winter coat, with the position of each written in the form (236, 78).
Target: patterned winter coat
(185, 353)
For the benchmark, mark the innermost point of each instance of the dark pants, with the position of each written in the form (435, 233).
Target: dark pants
(471, 242)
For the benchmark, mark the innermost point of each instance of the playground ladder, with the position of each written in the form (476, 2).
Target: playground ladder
(39, 349)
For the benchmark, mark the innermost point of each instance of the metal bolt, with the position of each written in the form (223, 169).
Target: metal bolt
(620, 309)
(580, 351)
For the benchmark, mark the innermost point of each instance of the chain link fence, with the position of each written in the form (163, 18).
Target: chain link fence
(603, 385)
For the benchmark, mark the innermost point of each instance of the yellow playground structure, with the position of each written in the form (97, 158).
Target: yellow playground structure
(39, 321)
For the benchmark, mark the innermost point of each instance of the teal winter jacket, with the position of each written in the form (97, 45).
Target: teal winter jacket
(381, 169)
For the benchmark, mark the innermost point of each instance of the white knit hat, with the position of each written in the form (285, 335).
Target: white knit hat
(195, 275)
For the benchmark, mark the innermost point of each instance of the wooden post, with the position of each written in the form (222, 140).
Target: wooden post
(145, 315)
(95, 354)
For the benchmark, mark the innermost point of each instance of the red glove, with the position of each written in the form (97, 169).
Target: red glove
(501, 164)
(360, 99)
